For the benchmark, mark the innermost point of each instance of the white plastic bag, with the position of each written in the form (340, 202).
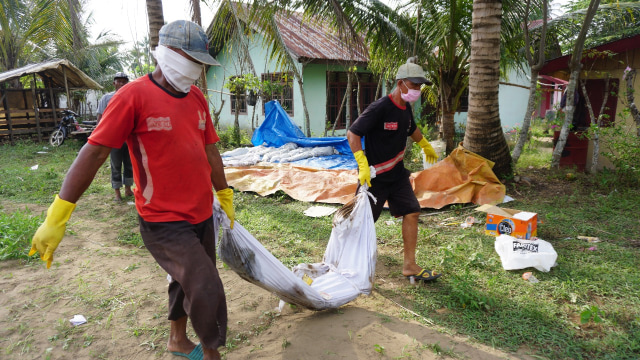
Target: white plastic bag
(347, 270)
(519, 253)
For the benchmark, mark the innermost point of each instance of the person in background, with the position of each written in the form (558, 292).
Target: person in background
(165, 121)
(385, 125)
(120, 160)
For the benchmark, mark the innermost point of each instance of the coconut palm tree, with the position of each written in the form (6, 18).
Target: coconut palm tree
(27, 28)
(484, 135)
(156, 21)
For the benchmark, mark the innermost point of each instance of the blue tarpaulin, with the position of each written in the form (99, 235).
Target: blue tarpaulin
(277, 130)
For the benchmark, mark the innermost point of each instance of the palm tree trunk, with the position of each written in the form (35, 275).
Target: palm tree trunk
(156, 21)
(484, 135)
(75, 26)
(448, 130)
(196, 17)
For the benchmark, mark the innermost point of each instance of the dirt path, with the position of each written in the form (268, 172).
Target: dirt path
(122, 293)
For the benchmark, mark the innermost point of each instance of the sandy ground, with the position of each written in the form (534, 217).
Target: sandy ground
(122, 293)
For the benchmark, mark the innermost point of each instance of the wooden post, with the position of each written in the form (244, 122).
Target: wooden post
(35, 107)
(8, 114)
(66, 86)
(53, 105)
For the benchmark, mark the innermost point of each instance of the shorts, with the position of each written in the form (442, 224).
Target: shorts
(399, 194)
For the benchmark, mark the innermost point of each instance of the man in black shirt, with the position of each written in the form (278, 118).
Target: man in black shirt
(385, 126)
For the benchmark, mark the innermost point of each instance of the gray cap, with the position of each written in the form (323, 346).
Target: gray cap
(412, 72)
(119, 75)
(190, 38)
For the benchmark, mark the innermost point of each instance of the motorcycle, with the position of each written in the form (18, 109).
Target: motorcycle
(69, 126)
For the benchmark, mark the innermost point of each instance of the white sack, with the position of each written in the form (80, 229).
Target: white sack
(519, 253)
(347, 271)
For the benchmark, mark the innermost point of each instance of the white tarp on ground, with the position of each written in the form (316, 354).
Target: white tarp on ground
(286, 153)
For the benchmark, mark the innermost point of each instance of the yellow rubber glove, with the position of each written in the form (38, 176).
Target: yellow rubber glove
(50, 233)
(364, 174)
(225, 196)
(429, 154)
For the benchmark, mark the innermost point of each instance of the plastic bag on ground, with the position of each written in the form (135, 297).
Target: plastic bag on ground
(520, 254)
(347, 270)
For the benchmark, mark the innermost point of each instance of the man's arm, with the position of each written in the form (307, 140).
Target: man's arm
(218, 179)
(355, 141)
(82, 171)
(416, 136)
(430, 154)
(46, 239)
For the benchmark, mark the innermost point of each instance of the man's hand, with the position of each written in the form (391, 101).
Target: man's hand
(225, 196)
(50, 233)
(429, 154)
(364, 174)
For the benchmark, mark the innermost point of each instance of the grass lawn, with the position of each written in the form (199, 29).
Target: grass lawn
(587, 307)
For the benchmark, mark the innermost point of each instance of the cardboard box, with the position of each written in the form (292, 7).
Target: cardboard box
(516, 223)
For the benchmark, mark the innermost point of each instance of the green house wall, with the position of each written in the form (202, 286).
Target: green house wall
(314, 79)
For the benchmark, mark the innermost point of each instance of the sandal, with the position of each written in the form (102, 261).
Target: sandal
(425, 275)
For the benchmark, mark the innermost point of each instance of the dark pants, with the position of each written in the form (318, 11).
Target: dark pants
(120, 159)
(399, 194)
(187, 252)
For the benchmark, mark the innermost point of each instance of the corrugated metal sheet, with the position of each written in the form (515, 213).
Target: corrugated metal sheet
(53, 69)
(314, 39)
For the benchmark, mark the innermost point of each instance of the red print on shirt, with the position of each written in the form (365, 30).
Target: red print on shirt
(159, 123)
(391, 126)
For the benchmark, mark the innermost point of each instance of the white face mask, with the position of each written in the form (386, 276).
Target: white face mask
(179, 71)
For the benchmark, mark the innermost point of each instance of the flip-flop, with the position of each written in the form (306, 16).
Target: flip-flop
(195, 354)
(425, 275)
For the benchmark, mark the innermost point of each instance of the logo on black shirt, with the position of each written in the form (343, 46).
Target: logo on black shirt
(391, 126)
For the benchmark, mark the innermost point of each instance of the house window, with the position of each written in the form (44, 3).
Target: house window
(241, 104)
(337, 86)
(281, 89)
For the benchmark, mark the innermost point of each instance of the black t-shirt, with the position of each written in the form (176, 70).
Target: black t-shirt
(385, 127)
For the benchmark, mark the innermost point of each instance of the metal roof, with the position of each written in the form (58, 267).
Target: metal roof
(617, 46)
(54, 70)
(305, 37)
(314, 39)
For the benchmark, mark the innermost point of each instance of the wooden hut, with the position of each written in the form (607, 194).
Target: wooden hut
(35, 110)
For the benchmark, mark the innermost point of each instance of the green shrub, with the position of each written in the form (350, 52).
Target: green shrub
(232, 137)
(622, 148)
(16, 230)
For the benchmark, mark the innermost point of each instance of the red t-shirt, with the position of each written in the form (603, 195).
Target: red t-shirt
(166, 135)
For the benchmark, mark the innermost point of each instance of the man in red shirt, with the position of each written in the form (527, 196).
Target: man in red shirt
(385, 125)
(165, 122)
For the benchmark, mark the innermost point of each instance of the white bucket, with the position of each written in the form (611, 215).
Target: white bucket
(439, 146)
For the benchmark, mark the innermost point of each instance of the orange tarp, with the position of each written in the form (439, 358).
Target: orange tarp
(462, 177)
